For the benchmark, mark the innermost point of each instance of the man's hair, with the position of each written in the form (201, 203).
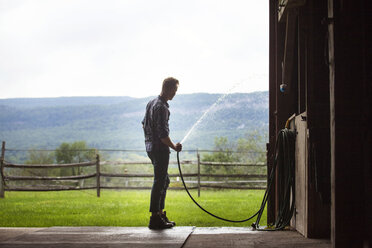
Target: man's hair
(169, 83)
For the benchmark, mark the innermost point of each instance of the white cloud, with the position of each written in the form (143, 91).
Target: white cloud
(77, 48)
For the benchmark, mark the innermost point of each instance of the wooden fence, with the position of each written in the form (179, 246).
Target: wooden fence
(253, 178)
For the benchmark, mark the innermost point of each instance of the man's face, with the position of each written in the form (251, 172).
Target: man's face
(172, 93)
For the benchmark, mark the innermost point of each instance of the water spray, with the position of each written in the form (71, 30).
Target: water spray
(203, 116)
(235, 85)
(209, 109)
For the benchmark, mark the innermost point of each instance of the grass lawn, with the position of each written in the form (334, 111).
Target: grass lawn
(125, 208)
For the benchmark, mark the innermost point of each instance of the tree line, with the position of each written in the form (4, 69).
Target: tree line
(249, 149)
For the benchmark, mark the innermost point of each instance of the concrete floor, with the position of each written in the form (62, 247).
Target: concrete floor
(138, 237)
(218, 237)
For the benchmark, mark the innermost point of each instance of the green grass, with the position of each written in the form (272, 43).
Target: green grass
(124, 208)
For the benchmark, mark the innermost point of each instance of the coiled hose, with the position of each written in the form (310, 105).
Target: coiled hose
(284, 159)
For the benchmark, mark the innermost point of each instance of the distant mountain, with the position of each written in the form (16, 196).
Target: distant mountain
(63, 101)
(115, 122)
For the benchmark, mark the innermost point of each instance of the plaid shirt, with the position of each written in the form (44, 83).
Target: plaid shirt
(155, 124)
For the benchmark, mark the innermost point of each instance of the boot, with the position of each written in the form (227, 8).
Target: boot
(157, 222)
(164, 215)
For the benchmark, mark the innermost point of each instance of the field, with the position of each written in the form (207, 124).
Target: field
(125, 208)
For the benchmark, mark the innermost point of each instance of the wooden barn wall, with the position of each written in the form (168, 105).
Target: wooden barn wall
(350, 79)
(272, 105)
(308, 90)
(313, 30)
(333, 85)
(281, 106)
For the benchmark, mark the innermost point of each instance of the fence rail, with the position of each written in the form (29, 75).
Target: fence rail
(231, 164)
(4, 179)
(144, 175)
(41, 188)
(10, 165)
(15, 178)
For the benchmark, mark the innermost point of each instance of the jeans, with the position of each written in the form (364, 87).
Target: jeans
(160, 161)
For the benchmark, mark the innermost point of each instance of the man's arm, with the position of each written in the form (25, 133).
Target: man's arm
(177, 147)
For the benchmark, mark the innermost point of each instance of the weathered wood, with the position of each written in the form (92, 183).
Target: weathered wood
(230, 182)
(229, 187)
(235, 175)
(98, 176)
(144, 175)
(273, 85)
(198, 156)
(350, 69)
(288, 60)
(187, 175)
(300, 219)
(143, 188)
(232, 164)
(317, 97)
(11, 165)
(48, 178)
(2, 185)
(143, 162)
(123, 163)
(49, 188)
(285, 6)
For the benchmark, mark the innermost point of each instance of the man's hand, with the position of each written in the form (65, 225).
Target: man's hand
(178, 147)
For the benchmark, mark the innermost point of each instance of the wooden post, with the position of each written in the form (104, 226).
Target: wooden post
(2, 185)
(98, 176)
(198, 156)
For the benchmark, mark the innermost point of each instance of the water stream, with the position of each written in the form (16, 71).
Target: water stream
(207, 111)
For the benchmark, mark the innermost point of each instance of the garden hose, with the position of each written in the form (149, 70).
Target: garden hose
(285, 161)
(197, 204)
(284, 156)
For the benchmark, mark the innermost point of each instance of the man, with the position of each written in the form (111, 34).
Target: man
(158, 142)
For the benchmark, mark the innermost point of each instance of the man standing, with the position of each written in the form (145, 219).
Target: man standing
(158, 142)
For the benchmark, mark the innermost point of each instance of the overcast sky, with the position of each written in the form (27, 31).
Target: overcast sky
(51, 48)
